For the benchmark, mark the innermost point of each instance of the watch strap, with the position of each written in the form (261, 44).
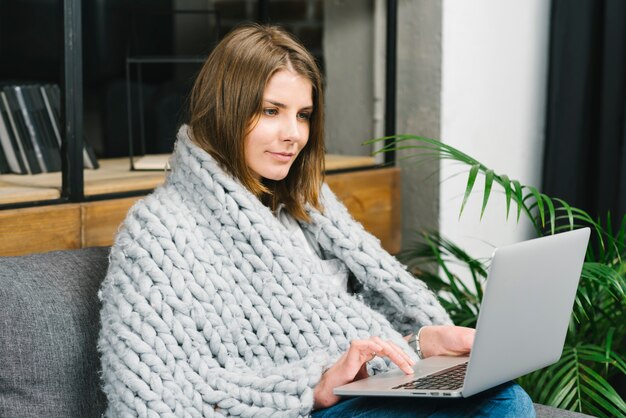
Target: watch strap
(414, 342)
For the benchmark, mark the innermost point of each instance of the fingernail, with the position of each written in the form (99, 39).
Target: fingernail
(408, 370)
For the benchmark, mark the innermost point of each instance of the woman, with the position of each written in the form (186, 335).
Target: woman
(242, 286)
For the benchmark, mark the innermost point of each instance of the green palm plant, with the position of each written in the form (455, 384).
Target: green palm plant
(593, 357)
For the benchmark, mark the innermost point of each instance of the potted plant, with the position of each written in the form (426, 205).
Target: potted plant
(593, 362)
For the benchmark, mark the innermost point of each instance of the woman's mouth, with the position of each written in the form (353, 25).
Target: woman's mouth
(282, 156)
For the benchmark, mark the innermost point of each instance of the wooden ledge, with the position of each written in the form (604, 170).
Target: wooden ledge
(372, 196)
(115, 176)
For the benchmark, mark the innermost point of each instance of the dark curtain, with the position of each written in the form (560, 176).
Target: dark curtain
(585, 151)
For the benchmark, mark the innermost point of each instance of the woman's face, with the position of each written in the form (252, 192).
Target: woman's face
(282, 130)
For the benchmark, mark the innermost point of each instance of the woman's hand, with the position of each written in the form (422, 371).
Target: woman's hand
(446, 340)
(351, 366)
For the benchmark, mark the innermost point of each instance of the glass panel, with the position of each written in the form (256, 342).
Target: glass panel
(139, 67)
(354, 55)
(30, 131)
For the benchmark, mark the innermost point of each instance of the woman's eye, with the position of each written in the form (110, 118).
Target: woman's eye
(270, 111)
(304, 115)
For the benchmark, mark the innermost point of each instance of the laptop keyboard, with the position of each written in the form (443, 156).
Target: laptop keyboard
(449, 379)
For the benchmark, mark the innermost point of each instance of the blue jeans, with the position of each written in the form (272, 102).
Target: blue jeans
(507, 400)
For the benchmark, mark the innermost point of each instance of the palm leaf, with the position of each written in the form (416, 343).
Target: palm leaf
(506, 183)
(568, 209)
(488, 185)
(539, 202)
(600, 391)
(572, 382)
(552, 379)
(608, 279)
(518, 197)
(470, 185)
(551, 212)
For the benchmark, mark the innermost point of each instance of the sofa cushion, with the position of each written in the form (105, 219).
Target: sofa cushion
(550, 412)
(49, 322)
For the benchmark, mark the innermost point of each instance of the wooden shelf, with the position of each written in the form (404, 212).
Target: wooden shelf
(115, 176)
(371, 195)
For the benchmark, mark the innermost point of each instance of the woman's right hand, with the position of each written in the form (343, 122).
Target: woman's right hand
(351, 366)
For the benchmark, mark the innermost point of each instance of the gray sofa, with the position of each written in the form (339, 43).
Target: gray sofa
(49, 319)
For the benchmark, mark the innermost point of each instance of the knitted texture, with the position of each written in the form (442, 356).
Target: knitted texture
(211, 308)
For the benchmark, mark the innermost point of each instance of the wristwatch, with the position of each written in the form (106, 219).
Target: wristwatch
(414, 341)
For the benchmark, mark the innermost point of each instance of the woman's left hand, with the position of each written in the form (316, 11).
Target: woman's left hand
(446, 340)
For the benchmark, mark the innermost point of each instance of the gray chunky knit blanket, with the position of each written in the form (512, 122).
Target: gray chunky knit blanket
(210, 308)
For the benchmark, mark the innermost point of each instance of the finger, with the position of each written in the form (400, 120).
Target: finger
(394, 355)
(403, 353)
(364, 350)
(372, 350)
(399, 360)
(399, 351)
(365, 344)
(368, 347)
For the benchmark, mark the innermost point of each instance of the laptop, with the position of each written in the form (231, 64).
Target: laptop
(521, 326)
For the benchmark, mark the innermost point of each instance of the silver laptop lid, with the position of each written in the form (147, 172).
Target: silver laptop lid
(511, 339)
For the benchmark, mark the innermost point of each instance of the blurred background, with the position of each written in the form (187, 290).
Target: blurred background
(532, 89)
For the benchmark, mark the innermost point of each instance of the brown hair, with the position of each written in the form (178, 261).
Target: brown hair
(227, 100)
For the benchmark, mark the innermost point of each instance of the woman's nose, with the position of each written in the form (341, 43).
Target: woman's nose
(291, 129)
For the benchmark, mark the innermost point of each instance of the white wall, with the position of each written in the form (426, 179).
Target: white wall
(494, 75)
